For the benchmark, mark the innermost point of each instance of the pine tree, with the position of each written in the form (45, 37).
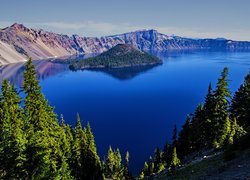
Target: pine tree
(158, 164)
(145, 172)
(12, 137)
(240, 107)
(221, 122)
(209, 112)
(150, 166)
(184, 140)
(113, 168)
(43, 131)
(78, 146)
(126, 173)
(174, 137)
(91, 162)
(166, 155)
(175, 160)
(197, 126)
(110, 163)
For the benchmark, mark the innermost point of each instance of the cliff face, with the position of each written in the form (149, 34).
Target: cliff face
(18, 42)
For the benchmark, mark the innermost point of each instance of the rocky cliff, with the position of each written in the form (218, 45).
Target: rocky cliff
(18, 42)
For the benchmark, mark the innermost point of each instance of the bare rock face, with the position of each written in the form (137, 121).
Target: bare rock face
(18, 42)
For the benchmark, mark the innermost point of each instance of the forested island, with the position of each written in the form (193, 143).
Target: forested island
(120, 56)
(35, 144)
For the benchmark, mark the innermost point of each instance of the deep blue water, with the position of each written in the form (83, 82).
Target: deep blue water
(135, 109)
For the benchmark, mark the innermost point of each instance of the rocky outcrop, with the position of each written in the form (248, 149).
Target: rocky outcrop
(18, 42)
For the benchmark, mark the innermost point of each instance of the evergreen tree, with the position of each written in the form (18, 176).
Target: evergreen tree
(91, 162)
(12, 137)
(197, 127)
(113, 168)
(110, 163)
(175, 160)
(78, 145)
(221, 122)
(209, 107)
(174, 137)
(158, 164)
(166, 155)
(184, 140)
(240, 107)
(145, 172)
(126, 173)
(43, 131)
(150, 166)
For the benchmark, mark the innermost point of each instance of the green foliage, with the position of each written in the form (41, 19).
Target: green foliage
(113, 167)
(175, 161)
(208, 109)
(184, 140)
(240, 106)
(119, 56)
(212, 125)
(221, 122)
(197, 128)
(12, 137)
(44, 135)
(33, 145)
(158, 161)
(174, 137)
(166, 154)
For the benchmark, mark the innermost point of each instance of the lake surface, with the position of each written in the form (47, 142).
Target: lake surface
(134, 109)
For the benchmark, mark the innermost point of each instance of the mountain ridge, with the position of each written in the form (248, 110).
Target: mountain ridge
(18, 42)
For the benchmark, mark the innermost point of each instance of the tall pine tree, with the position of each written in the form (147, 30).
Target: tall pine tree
(220, 121)
(184, 140)
(12, 136)
(44, 156)
(240, 107)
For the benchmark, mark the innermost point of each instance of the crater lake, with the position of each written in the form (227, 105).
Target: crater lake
(134, 109)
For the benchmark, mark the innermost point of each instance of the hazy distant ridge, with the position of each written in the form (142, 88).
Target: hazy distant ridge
(18, 42)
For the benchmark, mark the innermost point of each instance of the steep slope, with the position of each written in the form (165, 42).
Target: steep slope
(37, 44)
(18, 42)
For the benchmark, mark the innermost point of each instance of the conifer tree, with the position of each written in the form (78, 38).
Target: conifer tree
(174, 137)
(91, 162)
(109, 163)
(197, 127)
(209, 107)
(175, 160)
(113, 168)
(150, 166)
(126, 173)
(240, 107)
(12, 136)
(184, 140)
(166, 155)
(43, 150)
(145, 172)
(78, 146)
(221, 122)
(158, 164)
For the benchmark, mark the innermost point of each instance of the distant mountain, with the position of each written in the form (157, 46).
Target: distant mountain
(18, 42)
(120, 56)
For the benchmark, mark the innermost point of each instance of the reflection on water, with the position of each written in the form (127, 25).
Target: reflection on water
(45, 68)
(137, 113)
(124, 73)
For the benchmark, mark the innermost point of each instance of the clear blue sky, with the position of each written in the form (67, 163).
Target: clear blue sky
(190, 18)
